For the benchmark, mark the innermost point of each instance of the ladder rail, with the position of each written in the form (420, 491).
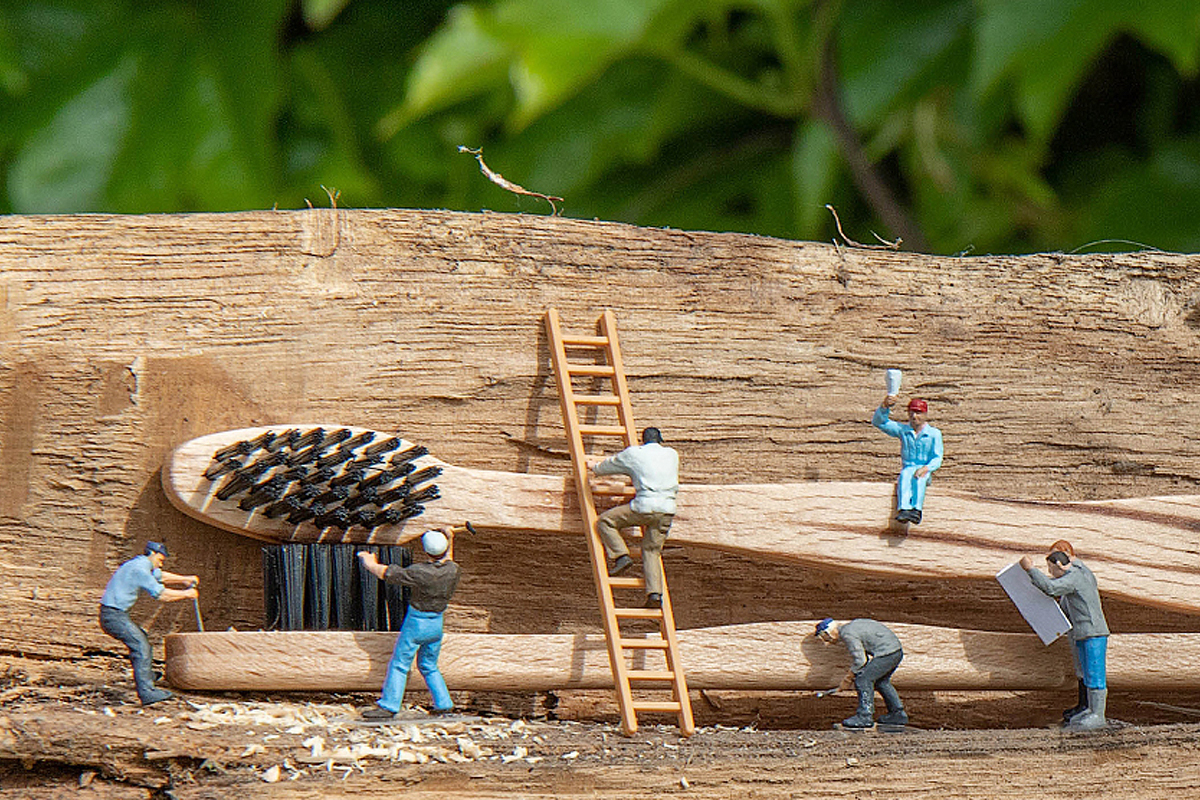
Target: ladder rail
(606, 343)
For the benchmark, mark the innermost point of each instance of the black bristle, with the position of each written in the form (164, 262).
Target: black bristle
(315, 436)
(236, 482)
(283, 440)
(261, 465)
(337, 437)
(424, 495)
(285, 506)
(303, 513)
(334, 458)
(317, 604)
(304, 456)
(422, 475)
(368, 595)
(386, 476)
(266, 492)
(344, 566)
(391, 495)
(411, 454)
(364, 496)
(398, 513)
(219, 468)
(319, 477)
(292, 607)
(334, 495)
(351, 475)
(366, 437)
(364, 462)
(242, 448)
(379, 448)
(364, 517)
(336, 518)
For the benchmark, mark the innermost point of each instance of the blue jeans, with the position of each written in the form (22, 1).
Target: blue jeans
(910, 490)
(117, 624)
(420, 636)
(1091, 655)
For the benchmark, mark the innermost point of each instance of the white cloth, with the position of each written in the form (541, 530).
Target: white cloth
(654, 470)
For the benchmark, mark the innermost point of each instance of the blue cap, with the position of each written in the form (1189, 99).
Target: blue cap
(156, 547)
(823, 625)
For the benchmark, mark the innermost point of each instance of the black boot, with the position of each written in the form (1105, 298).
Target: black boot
(1080, 707)
(864, 717)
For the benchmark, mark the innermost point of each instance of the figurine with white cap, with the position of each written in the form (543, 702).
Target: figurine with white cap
(432, 584)
(920, 449)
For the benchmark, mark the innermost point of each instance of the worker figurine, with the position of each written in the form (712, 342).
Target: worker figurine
(142, 573)
(920, 454)
(875, 652)
(1075, 586)
(654, 470)
(432, 585)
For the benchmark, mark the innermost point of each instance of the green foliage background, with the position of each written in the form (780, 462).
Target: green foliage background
(959, 125)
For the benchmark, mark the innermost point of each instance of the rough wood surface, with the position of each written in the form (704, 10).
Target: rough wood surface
(1143, 550)
(1054, 377)
(760, 656)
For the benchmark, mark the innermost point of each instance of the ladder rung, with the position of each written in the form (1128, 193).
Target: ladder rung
(597, 400)
(626, 583)
(616, 491)
(650, 675)
(585, 341)
(638, 613)
(669, 706)
(643, 644)
(602, 430)
(590, 369)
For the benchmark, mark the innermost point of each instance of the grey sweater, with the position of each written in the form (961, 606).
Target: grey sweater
(1080, 599)
(432, 583)
(866, 637)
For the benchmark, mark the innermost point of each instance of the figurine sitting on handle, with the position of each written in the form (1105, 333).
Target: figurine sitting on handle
(920, 454)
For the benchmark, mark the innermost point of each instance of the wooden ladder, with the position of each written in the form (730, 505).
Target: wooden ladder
(606, 363)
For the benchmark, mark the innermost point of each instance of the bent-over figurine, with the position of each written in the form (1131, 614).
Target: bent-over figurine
(142, 573)
(920, 454)
(1075, 586)
(432, 585)
(875, 652)
(654, 470)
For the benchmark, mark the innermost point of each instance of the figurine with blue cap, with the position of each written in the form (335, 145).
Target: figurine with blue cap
(432, 584)
(875, 652)
(142, 573)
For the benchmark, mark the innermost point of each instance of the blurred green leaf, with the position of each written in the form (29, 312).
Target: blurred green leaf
(816, 162)
(66, 166)
(884, 46)
(462, 59)
(319, 13)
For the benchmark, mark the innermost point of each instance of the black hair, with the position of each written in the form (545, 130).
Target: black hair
(1059, 557)
(651, 435)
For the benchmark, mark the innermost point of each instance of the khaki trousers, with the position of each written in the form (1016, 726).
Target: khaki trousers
(655, 527)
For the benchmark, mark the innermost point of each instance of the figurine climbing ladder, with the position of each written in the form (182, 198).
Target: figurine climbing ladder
(605, 364)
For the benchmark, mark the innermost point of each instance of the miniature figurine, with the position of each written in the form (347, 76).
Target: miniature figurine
(432, 585)
(142, 573)
(654, 470)
(1075, 586)
(875, 652)
(920, 454)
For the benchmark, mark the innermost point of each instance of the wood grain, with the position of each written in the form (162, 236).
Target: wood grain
(1143, 550)
(1053, 377)
(761, 656)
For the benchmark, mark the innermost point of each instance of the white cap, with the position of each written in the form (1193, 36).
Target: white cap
(434, 542)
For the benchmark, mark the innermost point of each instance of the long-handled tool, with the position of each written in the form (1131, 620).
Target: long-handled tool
(827, 692)
(196, 606)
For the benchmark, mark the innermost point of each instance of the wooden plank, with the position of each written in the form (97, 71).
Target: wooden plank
(756, 656)
(1142, 550)
(1053, 376)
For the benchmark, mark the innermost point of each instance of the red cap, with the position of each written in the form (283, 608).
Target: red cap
(918, 405)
